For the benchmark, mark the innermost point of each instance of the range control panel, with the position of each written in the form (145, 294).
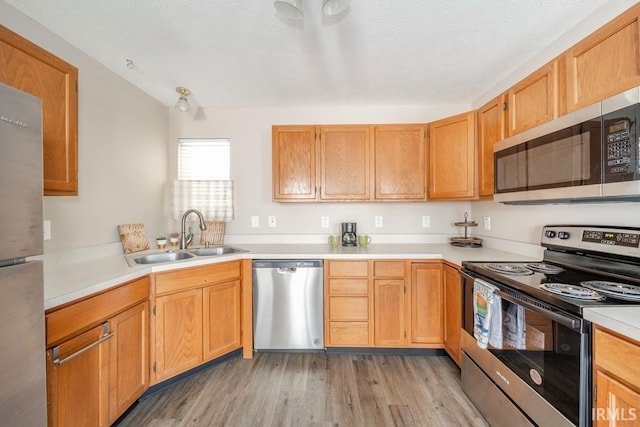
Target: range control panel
(610, 240)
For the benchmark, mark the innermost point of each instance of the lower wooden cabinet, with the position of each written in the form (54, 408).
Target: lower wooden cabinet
(196, 317)
(77, 387)
(221, 325)
(97, 356)
(129, 359)
(178, 333)
(426, 304)
(617, 379)
(452, 312)
(389, 298)
(348, 304)
(384, 303)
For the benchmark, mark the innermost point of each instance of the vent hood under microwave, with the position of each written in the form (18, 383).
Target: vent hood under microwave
(589, 155)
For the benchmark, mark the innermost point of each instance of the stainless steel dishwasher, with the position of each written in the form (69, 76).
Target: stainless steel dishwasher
(288, 305)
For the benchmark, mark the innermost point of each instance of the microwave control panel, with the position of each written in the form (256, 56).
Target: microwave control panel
(619, 149)
(621, 145)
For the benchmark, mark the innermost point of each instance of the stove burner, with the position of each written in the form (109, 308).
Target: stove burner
(614, 290)
(572, 291)
(542, 267)
(510, 269)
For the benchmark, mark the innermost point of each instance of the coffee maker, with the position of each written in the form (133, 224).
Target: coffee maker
(349, 237)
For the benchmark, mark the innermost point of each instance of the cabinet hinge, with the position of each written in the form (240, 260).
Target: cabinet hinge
(76, 85)
(405, 334)
(154, 310)
(154, 367)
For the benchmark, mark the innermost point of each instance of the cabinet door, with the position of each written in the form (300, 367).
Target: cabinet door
(492, 123)
(388, 314)
(77, 387)
(31, 69)
(452, 312)
(426, 304)
(178, 333)
(399, 162)
(221, 313)
(452, 157)
(616, 403)
(294, 163)
(604, 63)
(533, 100)
(344, 162)
(129, 360)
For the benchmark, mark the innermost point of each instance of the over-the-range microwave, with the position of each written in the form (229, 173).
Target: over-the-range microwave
(592, 154)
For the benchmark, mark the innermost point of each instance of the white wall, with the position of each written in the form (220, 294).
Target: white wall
(122, 154)
(250, 133)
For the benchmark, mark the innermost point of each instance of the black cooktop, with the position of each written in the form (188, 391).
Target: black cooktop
(529, 283)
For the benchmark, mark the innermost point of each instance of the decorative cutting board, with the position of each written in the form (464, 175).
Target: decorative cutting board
(133, 237)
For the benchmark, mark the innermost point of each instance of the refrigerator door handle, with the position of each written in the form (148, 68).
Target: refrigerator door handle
(106, 335)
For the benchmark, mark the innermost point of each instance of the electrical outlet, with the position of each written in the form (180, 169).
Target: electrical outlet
(272, 221)
(378, 221)
(255, 221)
(426, 221)
(46, 230)
(325, 222)
(487, 223)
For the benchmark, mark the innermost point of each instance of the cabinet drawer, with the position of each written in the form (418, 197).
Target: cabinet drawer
(77, 317)
(348, 308)
(348, 333)
(348, 287)
(617, 355)
(388, 269)
(348, 268)
(178, 280)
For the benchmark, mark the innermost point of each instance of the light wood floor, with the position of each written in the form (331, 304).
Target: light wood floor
(314, 389)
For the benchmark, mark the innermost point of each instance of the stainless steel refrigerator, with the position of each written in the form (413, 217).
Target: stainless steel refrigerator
(22, 357)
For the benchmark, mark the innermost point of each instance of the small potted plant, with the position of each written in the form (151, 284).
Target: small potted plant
(161, 241)
(174, 238)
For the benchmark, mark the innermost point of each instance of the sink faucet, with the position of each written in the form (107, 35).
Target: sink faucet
(186, 239)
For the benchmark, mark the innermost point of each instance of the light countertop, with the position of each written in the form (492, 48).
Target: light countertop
(70, 279)
(622, 319)
(67, 280)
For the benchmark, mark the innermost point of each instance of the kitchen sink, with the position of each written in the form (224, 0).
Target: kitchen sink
(216, 250)
(161, 257)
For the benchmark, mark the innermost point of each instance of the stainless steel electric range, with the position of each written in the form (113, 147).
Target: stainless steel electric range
(536, 367)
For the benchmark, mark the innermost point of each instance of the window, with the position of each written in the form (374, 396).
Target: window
(204, 159)
(204, 179)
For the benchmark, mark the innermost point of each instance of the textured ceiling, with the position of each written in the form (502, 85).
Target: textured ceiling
(381, 52)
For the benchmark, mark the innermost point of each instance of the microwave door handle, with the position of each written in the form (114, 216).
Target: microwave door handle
(560, 318)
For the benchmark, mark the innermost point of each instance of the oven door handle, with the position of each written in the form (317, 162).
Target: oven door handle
(558, 317)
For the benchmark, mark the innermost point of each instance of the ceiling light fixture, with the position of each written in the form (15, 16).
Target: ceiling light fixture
(183, 101)
(334, 7)
(289, 8)
(293, 8)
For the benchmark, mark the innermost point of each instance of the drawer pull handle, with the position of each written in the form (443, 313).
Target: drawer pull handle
(106, 335)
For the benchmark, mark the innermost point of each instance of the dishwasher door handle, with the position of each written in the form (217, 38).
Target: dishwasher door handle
(287, 270)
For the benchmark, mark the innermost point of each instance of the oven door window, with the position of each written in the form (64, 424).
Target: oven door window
(543, 353)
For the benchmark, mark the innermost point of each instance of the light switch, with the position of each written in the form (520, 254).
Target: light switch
(378, 221)
(255, 221)
(325, 222)
(426, 221)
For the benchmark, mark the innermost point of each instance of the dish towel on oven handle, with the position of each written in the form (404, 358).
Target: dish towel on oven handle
(487, 315)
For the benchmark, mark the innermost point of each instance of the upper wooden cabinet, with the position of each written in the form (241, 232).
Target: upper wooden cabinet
(492, 124)
(399, 159)
(344, 162)
(452, 157)
(604, 63)
(31, 69)
(533, 100)
(294, 163)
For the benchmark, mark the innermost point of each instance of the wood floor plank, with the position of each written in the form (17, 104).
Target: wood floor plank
(314, 389)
